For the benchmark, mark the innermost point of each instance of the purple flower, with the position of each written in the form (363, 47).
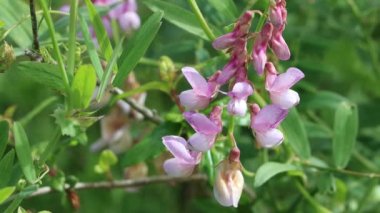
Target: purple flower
(239, 95)
(129, 21)
(199, 97)
(206, 128)
(259, 57)
(279, 87)
(278, 14)
(264, 123)
(184, 160)
(279, 46)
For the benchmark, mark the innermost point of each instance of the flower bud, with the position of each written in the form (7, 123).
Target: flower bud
(7, 56)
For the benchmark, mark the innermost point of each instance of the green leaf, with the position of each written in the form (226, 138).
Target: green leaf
(6, 192)
(108, 73)
(6, 165)
(140, 43)
(271, 169)
(325, 99)
(100, 31)
(4, 131)
(24, 153)
(178, 16)
(150, 146)
(295, 134)
(345, 133)
(46, 74)
(106, 160)
(153, 85)
(226, 8)
(83, 86)
(94, 57)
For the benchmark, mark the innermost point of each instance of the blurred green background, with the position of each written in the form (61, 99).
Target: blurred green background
(336, 43)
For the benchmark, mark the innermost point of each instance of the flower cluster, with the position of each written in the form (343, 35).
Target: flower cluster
(264, 122)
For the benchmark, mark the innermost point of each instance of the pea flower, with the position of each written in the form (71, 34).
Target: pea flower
(199, 97)
(206, 129)
(264, 123)
(184, 159)
(279, 86)
(229, 181)
(259, 56)
(239, 95)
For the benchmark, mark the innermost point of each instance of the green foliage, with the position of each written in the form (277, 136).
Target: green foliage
(271, 169)
(83, 86)
(6, 192)
(4, 130)
(106, 160)
(140, 43)
(24, 152)
(6, 164)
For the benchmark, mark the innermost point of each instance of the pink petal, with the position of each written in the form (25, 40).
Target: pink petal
(129, 21)
(259, 59)
(271, 75)
(197, 82)
(176, 168)
(201, 142)
(228, 71)
(268, 118)
(177, 146)
(285, 100)
(286, 80)
(201, 123)
(270, 138)
(241, 90)
(237, 107)
(191, 101)
(279, 47)
(224, 41)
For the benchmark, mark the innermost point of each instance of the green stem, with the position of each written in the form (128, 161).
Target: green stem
(27, 118)
(58, 54)
(259, 99)
(263, 18)
(72, 38)
(202, 20)
(310, 199)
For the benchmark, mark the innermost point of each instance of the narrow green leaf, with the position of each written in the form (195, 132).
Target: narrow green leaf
(4, 131)
(24, 153)
(325, 99)
(150, 146)
(46, 74)
(13, 206)
(72, 38)
(100, 31)
(83, 86)
(345, 133)
(225, 7)
(108, 73)
(295, 134)
(178, 16)
(6, 164)
(140, 43)
(271, 169)
(6, 192)
(94, 57)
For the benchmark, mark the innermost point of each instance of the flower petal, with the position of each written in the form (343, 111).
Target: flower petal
(177, 146)
(129, 21)
(286, 99)
(268, 118)
(228, 71)
(270, 138)
(241, 90)
(237, 107)
(191, 101)
(224, 41)
(259, 59)
(286, 80)
(197, 81)
(176, 168)
(201, 142)
(201, 123)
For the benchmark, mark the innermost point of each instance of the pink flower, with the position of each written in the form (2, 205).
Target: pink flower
(199, 97)
(279, 46)
(229, 180)
(278, 14)
(184, 160)
(259, 57)
(239, 95)
(206, 129)
(279, 87)
(264, 123)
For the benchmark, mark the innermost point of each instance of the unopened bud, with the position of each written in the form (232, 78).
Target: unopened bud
(167, 69)
(7, 56)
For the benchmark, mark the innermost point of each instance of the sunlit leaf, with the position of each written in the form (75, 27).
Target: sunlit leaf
(345, 133)
(271, 169)
(6, 192)
(83, 86)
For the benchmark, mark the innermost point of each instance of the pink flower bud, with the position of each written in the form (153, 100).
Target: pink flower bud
(279, 46)
(229, 183)
(129, 21)
(259, 57)
(224, 41)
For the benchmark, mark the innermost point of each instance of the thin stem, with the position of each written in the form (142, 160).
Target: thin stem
(27, 118)
(58, 54)
(310, 199)
(72, 38)
(259, 99)
(263, 18)
(202, 20)
(119, 184)
(33, 18)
